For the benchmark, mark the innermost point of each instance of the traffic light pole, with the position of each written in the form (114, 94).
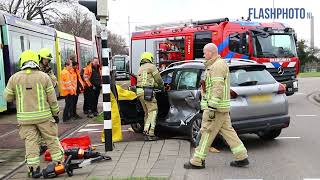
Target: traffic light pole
(106, 90)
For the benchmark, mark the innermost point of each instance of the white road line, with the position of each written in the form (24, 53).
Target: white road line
(88, 130)
(306, 115)
(288, 137)
(91, 125)
(243, 179)
(98, 131)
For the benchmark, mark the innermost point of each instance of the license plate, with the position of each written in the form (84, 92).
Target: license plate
(295, 84)
(261, 98)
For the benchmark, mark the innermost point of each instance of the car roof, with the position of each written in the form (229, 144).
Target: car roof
(199, 64)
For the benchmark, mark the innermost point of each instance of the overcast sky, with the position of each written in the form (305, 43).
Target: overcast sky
(146, 12)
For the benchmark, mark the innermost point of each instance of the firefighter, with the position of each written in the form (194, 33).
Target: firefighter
(45, 59)
(68, 89)
(148, 78)
(37, 110)
(215, 104)
(92, 76)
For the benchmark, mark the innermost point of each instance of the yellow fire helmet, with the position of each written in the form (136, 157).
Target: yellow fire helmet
(28, 55)
(45, 53)
(146, 57)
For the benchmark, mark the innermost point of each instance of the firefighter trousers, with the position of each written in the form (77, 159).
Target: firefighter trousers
(150, 109)
(32, 133)
(214, 122)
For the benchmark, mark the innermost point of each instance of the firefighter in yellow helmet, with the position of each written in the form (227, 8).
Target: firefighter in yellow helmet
(147, 80)
(37, 110)
(215, 104)
(45, 59)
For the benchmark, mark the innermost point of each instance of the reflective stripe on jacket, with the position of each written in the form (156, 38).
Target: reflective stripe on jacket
(217, 86)
(35, 96)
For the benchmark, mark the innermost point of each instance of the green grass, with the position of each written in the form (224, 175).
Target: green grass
(99, 118)
(129, 178)
(309, 74)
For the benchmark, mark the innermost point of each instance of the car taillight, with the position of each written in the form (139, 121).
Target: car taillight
(233, 95)
(281, 89)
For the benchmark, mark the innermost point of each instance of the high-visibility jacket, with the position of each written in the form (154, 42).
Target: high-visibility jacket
(88, 73)
(79, 78)
(68, 82)
(35, 96)
(217, 86)
(148, 76)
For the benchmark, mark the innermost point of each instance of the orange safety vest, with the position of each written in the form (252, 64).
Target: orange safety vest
(87, 74)
(68, 83)
(78, 77)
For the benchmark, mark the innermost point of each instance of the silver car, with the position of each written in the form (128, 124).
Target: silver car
(258, 102)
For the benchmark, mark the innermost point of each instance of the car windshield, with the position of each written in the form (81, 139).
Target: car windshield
(250, 77)
(119, 62)
(274, 46)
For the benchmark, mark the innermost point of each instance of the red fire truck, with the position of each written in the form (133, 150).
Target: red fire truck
(273, 44)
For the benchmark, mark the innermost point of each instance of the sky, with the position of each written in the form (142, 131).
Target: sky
(149, 12)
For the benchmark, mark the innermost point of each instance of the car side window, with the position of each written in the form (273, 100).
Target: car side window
(186, 79)
(167, 77)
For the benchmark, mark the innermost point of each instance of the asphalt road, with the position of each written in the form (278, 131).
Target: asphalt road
(293, 156)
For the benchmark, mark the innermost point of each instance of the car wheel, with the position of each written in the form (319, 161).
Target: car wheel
(137, 127)
(270, 135)
(195, 126)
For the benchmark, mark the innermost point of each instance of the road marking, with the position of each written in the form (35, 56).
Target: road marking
(91, 125)
(88, 130)
(306, 115)
(98, 131)
(288, 137)
(243, 179)
(299, 93)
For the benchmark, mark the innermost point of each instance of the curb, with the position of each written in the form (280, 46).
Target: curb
(64, 135)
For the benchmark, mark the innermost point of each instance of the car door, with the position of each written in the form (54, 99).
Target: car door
(131, 111)
(184, 96)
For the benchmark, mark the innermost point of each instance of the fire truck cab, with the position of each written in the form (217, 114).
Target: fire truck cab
(272, 44)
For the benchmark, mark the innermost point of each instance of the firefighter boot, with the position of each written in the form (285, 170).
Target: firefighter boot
(241, 163)
(34, 174)
(189, 165)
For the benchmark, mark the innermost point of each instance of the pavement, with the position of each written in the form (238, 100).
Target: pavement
(163, 159)
(292, 156)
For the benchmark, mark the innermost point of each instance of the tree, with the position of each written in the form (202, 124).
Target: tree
(117, 44)
(29, 9)
(308, 57)
(307, 54)
(76, 23)
(79, 24)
